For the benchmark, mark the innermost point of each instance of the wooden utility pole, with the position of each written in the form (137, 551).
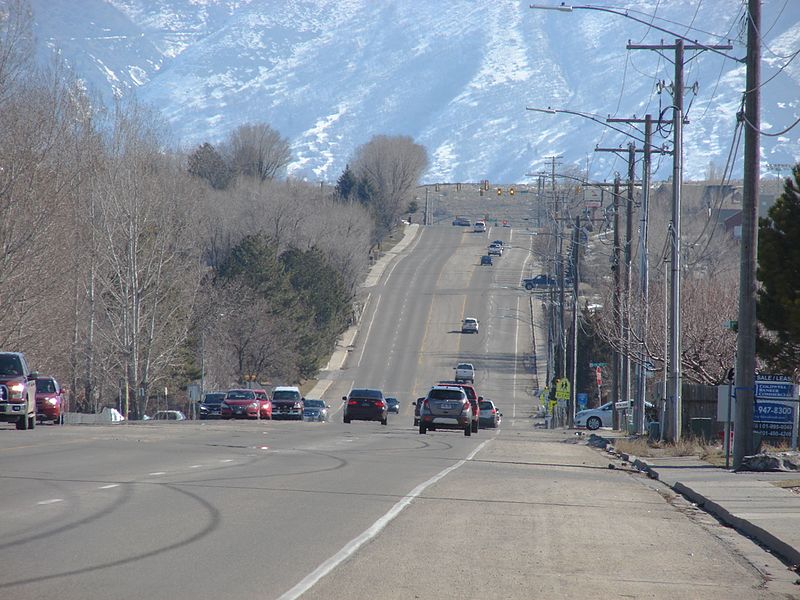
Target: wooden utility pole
(743, 443)
(615, 309)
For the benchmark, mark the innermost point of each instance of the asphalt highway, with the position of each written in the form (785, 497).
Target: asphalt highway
(274, 509)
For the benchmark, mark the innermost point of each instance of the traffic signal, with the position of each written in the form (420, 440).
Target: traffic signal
(511, 191)
(499, 191)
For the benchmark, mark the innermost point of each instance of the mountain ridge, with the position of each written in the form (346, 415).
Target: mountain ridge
(457, 77)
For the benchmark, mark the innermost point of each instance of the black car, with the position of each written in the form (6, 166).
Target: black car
(363, 404)
(394, 405)
(209, 407)
(486, 260)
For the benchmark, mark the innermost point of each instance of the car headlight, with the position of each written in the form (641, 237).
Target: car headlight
(17, 388)
(298, 405)
(52, 401)
(253, 405)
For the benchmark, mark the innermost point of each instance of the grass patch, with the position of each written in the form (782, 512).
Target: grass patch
(698, 447)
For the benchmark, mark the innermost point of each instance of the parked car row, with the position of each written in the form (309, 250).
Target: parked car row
(242, 403)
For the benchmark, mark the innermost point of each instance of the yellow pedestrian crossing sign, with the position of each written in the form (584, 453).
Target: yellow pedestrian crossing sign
(562, 389)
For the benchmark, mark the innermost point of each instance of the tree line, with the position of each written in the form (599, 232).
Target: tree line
(129, 265)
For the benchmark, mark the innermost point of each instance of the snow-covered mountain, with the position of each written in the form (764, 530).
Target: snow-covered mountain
(456, 75)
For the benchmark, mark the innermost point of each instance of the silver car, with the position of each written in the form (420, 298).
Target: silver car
(489, 415)
(446, 407)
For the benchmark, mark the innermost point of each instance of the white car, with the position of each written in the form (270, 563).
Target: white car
(595, 418)
(469, 325)
(495, 250)
(479, 227)
(602, 416)
(465, 372)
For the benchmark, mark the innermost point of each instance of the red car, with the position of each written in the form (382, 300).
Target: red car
(246, 404)
(50, 404)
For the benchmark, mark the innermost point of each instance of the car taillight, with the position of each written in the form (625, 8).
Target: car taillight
(425, 403)
(466, 406)
(378, 403)
(352, 403)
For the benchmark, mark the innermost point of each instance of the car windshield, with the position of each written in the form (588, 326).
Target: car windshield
(285, 395)
(46, 386)
(463, 366)
(10, 365)
(486, 406)
(240, 395)
(446, 394)
(214, 398)
(314, 403)
(391, 400)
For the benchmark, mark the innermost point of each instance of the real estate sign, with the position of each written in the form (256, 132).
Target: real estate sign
(775, 412)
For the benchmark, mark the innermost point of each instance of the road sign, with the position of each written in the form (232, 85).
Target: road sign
(597, 364)
(599, 376)
(775, 411)
(562, 389)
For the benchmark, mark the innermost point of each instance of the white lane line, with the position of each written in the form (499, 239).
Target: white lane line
(369, 328)
(52, 501)
(108, 487)
(158, 473)
(516, 354)
(226, 460)
(195, 466)
(350, 548)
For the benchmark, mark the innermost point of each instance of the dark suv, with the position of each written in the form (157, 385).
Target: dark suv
(446, 407)
(364, 404)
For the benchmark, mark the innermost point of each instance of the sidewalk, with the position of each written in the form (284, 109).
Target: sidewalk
(747, 501)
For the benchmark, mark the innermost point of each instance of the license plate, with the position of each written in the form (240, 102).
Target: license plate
(447, 406)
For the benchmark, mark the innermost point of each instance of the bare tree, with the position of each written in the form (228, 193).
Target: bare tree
(148, 266)
(257, 150)
(391, 166)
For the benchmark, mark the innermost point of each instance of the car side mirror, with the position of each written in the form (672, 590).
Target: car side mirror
(344, 398)
(480, 398)
(32, 375)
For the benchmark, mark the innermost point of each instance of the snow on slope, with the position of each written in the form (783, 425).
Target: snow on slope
(457, 76)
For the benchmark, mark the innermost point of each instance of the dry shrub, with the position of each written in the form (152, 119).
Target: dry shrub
(690, 446)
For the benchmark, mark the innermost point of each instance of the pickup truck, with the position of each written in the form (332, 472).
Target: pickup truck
(465, 372)
(17, 391)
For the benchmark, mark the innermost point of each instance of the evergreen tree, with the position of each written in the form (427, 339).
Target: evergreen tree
(346, 184)
(778, 302)
(207, 163)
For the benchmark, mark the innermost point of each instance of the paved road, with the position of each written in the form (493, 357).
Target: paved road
(280, 509)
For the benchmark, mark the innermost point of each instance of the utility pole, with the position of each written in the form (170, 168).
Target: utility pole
(615, 309)
(644, 285)
(743, 443)
(575, 255)
(674, 355)
(626, 308)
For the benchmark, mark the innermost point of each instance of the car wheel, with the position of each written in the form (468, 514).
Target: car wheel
(422, 429)
(346, 420)
(61, 419)
(468, 430)
(416, 421)
(528, 286)
(593, 423)
(22, 423)
(474, 427)
(385, 421)
(32, 422)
